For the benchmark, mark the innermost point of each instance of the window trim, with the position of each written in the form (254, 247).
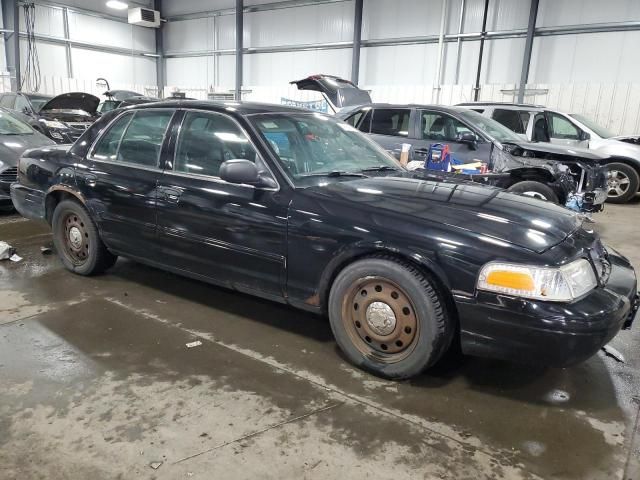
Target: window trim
(217, 179)
(90, 154)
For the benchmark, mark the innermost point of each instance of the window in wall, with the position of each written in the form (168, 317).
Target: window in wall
(207, 140)
(562, 128)
(391, 121)
(438, 126)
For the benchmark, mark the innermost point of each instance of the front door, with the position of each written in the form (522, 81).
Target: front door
(119, 180)
(233, 234)
(439, 127)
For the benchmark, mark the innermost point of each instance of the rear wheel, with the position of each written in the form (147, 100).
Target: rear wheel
(622, 182)
(388, 318)
(77, 241)
(531, 188)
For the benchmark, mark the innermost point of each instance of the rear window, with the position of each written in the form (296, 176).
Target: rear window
(391, 121)
(512, 119)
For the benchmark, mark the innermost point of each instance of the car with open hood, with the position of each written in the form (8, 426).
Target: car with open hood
(62, 118)
(122, 98)
(303, 209)
(565, 176)
(542, 125)
(16, 137)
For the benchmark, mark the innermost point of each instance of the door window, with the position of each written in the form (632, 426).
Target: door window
(354, 119)
(207, 140)
(561, 128)
(22, 105)
(134, 138)
(7, 101)
(512, 119)
(441, 127)
(391, 121)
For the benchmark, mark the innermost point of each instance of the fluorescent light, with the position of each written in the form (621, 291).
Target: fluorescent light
(117, 4)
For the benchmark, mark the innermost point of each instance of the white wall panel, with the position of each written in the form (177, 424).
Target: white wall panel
(53, 59)
(86, 28)
(280, 68)
(90, 64)
(100, 6)
(48, 21)
(400, 18)
(202, 72)
(331, 22)
(502, 60)
(188, 36)
(572, 12)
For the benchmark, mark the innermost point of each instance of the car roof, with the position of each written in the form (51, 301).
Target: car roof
(499, 104)
(235, 107)
(441, 108)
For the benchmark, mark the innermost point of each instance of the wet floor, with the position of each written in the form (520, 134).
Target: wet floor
(96, 381)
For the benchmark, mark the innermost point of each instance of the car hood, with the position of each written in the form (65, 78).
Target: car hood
(556, 152)
(618, 147)
(500, 217)
(72, 101)
(12, 146)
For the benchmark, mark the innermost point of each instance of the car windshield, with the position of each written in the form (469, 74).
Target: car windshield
(10, 125)
(600, 131)
(38, 101)
(313, 145)
(493, 129)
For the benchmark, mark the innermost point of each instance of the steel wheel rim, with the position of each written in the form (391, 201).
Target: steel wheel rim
(618, 183)
(380, 319)
(537, 195)
(76, 239)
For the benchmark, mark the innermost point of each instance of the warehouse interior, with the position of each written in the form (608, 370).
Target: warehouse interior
(143, 370)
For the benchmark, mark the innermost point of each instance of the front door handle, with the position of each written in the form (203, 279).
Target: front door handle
(171, 195)
(90, 180)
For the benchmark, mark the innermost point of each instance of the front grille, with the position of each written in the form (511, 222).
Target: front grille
(9, 175)
(79, 126)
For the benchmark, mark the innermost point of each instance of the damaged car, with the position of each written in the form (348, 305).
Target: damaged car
(573, 177)
(303, 209)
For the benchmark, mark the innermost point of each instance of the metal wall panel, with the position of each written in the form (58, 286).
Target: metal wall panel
(48, 21)
(117, 68)
(201, 72)
(96, 30)
(572, 12)
(187, 36)
(52, 58)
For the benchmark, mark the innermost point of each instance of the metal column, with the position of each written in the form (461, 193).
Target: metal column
(459, 41)
(16, 44)
(65, 29)
(438, 80)
(476, 89)
(160, 61)
(357, 40)
(239, 35)
(528, 47)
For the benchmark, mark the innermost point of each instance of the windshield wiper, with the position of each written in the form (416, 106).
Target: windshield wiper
(334, 173)
(381, 168)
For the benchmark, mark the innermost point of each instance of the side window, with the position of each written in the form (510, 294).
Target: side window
(7, 101)
(562, 128)
(439, 126)
(354, 119)
(510, 119)
(365, 124)
(21, 104)
(209, 139)
(107, 147)
(142, 140)
(524, 118)
(391, 121)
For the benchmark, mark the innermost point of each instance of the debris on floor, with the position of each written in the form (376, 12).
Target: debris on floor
(197, 343)
(155, 465)
(46, 250)
(613, 353)
(15, 258)
(6, 250)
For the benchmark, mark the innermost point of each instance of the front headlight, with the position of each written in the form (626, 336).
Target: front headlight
(561, 284)
(54, 124)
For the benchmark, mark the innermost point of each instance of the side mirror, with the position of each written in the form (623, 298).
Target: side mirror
(469, 138)
(584, 136)
(240, 170)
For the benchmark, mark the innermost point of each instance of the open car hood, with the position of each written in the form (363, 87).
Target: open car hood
(338, 92)
(121, 94)
(73, 101)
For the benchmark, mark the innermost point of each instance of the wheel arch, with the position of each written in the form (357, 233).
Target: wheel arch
(57, 194)
(632, 162)
(534, 174)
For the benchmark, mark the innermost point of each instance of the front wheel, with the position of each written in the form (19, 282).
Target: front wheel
(77, 241)
(622, 182)
(388, 318)
(531, 188)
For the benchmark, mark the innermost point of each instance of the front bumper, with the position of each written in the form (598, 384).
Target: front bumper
(548, 333)
(29, 203)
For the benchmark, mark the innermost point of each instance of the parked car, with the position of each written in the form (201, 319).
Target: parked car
(62, 118)
(303, 209)
(122, 98)
(536, 123)
(15, 137)
(548, 172)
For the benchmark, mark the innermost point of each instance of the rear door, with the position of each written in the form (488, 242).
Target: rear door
(119, 180)
(390, 128)
(439, 127)
(230, 233)
(514, 120)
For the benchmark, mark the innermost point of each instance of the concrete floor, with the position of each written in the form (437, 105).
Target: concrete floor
(96, 382)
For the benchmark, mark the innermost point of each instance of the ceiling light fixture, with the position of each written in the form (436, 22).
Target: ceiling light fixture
(117, 4)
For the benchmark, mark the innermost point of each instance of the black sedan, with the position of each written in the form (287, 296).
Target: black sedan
(15, 137)
(303, 209)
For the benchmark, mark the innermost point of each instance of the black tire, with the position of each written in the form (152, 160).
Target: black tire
(417, 300)
(622, 192)
(534, 189)
(86, 254)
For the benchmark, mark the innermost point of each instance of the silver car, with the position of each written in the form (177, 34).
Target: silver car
(536, 123)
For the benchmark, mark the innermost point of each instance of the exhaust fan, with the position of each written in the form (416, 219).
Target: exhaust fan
(144, 17)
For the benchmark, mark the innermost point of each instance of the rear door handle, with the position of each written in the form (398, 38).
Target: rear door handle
(171, 195)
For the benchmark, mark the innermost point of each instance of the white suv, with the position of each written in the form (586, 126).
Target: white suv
(536, 123)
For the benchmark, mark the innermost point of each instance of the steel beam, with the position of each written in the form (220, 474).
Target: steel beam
(459, 41)
(160, 61)
(16, 44)
(528, 47)
(438, 79)
(483, 34)
(65, 28)
(357, 41)
(239, 40)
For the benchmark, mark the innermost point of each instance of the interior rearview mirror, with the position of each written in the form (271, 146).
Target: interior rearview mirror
(469, 138)
(244, 171)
